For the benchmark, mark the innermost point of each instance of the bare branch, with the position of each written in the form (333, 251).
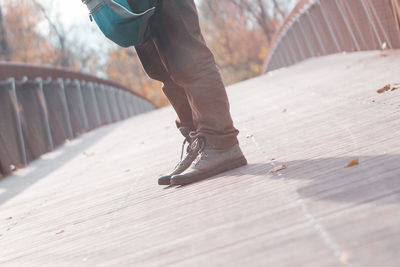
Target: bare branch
(5, 50)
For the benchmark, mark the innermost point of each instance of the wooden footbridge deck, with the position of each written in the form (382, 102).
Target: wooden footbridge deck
(96, 202)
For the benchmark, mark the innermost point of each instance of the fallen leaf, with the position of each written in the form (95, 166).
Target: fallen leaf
(62, 231)
(344, 257)
(352, 163)
(12, 167)
(384, 89)
(277, 169)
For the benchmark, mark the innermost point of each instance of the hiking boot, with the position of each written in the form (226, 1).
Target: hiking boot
(186, 160)
(210, 162)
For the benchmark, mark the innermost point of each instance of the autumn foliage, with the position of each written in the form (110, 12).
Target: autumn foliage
(27, 34)
(238, 32)
(24, 43)
(124, 67)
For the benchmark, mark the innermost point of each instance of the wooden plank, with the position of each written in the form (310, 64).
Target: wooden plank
(96, 200)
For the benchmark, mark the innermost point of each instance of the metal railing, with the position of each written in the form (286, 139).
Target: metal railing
(322, 27)
(41, 108)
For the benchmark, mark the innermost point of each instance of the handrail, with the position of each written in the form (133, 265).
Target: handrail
(323, 27)
(42, 107)
(21, 70)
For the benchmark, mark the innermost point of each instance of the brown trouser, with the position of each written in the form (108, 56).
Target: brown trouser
(178, 56)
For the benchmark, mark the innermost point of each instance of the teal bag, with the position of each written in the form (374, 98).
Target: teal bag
(125, 22)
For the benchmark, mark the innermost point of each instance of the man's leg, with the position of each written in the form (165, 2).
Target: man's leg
(155, 68)
(192, 66)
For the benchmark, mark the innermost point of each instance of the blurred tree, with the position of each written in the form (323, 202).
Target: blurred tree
(64, 54)
(268, 14)
(20, 23)
(124, 67)
(22, 28)
(239, 32)
(70, 51)
(38, 37)
(5, 51)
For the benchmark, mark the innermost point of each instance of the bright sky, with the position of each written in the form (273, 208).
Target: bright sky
(70, 12)
(74, 14)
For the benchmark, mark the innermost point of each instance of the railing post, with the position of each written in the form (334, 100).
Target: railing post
(380, 25)
(127, 104)
(135, 104)
(371, 22)
(298, 43)
(285, 55)
(297, 58)
(14, 98)
(283, 58)
(347, 25)
(120, 105)
(106, 104)
(65, 108)
(306, 39)
(356, 24)
(290, 52)
(82, 105)
(142, 107)
(123, 104)
(329, 26)
(315, 30)
(96, 104)
(273, 61)
(396, 7)
(45, 112)
(113, 101)
(138, 105)
(280, 62)
(116, 103)
(108, 99)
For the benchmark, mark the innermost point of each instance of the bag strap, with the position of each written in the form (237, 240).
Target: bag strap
(94, 5)
(124, 12)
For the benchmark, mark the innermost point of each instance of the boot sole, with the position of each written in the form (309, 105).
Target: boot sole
(223, 168)
(164, 180)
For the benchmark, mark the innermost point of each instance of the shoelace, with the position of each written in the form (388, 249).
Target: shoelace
(183, 147)
(198, 144)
